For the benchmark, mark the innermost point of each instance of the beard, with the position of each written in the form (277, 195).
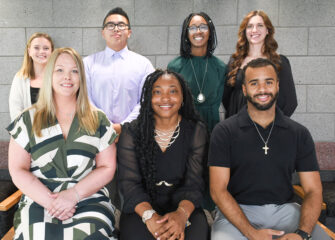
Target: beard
(262, 107)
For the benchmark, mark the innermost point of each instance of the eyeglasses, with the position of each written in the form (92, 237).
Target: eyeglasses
(111, 26)
(202, 28)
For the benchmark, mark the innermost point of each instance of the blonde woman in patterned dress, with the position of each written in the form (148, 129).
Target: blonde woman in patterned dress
(61, 155)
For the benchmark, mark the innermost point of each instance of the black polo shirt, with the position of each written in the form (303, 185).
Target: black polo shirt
(256, 178)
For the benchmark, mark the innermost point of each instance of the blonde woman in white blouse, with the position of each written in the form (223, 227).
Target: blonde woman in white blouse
(28, 80)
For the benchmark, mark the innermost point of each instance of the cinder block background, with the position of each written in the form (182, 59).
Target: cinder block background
(305, 31)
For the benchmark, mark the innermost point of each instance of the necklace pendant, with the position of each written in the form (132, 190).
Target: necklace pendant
(201, 98)
(266, 148)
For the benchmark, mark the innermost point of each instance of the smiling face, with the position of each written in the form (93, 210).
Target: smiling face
(116, 39)
(256, 30)
(198, 39)
(261, 87)
(40, 50)
(167, 97)
(65, 77)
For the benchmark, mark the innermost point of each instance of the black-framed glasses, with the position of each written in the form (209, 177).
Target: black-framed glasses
(111, 26)
(202, 28)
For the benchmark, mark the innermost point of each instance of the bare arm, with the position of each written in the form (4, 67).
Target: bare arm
(219, 179)
(311, 206)
(19, 168)
(99, 177)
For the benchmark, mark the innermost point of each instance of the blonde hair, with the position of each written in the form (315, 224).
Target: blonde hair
(45, 114)
(27, 68)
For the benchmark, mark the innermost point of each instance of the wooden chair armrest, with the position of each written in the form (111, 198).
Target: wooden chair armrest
(10, 201)
(9, 235)
(327, 230)
(300, 192)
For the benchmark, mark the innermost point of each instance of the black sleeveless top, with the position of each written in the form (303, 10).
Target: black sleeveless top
(34, 94)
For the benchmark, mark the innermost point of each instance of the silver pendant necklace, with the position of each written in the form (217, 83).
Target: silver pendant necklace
(201, 97)
(265, 148)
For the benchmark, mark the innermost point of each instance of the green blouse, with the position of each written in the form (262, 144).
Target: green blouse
(212, 87)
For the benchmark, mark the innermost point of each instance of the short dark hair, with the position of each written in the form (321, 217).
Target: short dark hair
(118, 11)
(185, 44)
(257, 63)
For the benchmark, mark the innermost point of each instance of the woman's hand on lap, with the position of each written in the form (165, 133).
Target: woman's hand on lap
(67, 215)
(173, 226)
(64, 204)
(152, 224)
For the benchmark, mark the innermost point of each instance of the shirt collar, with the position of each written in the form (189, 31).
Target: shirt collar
(245, 121)
(122, 53)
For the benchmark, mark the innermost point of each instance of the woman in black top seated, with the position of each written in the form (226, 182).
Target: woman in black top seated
(161, 160)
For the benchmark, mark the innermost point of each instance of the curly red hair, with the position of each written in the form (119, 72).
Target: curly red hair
(242, 47)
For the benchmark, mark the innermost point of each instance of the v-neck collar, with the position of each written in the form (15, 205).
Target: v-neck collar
(70, 129)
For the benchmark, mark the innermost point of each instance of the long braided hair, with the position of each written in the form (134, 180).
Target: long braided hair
(145, 147)
(242, 46)
(185, 44)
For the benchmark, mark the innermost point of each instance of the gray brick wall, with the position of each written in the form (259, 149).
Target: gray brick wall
(305, 30)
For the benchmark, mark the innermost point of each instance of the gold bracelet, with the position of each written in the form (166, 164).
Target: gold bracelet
(185, 213)
(183, 209)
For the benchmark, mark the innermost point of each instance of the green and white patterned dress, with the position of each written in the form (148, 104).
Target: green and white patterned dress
(59, 164)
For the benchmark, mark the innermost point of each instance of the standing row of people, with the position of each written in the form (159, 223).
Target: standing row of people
(62, 151)
(209, 79)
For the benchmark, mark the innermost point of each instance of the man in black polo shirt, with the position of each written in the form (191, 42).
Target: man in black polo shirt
(252, 157)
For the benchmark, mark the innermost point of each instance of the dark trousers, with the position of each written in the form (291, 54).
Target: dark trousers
(132, 227)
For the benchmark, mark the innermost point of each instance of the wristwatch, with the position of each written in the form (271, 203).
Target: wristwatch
(303, 234)
(147, 214)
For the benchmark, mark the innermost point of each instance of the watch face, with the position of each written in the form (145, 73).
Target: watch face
(147, 215)
(304, 235)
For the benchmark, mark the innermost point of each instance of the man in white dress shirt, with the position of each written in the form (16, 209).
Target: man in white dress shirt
(115, 76)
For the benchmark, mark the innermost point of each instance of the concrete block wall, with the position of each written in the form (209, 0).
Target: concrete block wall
(305, 30)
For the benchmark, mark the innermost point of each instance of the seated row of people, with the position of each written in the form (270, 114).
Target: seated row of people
(62, 154)
(62, 150)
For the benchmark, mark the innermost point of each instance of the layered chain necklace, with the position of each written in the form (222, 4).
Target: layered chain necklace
(265, 148)
(201, 97)
(166, 138)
